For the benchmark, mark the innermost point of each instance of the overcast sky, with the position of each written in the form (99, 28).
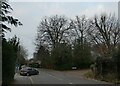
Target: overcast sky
(31, 13)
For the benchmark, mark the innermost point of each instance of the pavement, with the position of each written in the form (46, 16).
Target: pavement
(0, 82)
(47, 76)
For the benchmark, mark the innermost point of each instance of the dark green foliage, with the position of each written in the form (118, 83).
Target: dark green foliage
(8, 61)
(107, 66)
(67, 66)
(104, 66)
(59, 59)
(116, 59)
(35, 65)
(62, 57)
(82, 56)
(43, 56)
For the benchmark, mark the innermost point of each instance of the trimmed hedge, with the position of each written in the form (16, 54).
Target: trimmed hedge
(8, 62)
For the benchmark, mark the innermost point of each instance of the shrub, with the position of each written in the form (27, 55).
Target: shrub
(107, 66)
(61, 57)
(8, 62)
(82, 57)
(35, 65)
(67, 66)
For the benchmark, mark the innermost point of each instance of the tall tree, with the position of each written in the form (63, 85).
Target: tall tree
(53, 30)
(105, 33)
(80, 25)
(81, 48)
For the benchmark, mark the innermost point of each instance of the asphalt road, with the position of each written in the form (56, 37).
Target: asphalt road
(53, 77)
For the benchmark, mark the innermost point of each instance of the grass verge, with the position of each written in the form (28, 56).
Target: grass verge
(108, 78)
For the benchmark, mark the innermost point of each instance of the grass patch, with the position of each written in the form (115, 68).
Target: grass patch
(89, 74)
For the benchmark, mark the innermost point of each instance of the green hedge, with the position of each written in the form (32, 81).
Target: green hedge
(67, 66)
(8, 62)
(35, 65)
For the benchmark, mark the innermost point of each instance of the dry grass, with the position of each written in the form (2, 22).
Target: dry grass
(89, 74)
(77, 72)
(108, 78)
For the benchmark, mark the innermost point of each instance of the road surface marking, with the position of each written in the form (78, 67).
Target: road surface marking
(70, 83)
(55, 77)
(15, 74)
(31, 80)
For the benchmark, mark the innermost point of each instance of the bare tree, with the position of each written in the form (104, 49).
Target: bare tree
(53, 30)
(80, 25)
(23, 52)
(105, 33)
(81, 50)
